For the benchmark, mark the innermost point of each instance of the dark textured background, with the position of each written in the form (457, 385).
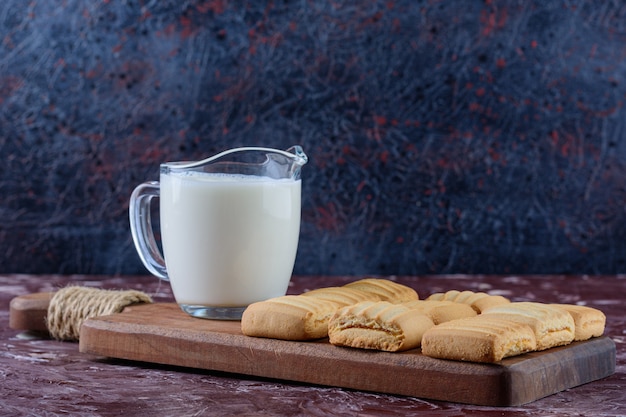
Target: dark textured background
(444, 136)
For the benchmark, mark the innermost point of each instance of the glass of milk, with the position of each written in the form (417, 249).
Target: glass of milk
(229, 228)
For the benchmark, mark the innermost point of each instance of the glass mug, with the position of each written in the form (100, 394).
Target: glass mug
(229, 224)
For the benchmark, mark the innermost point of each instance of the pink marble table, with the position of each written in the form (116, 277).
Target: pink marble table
(40, 376)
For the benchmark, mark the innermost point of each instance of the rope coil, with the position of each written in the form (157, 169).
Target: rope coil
(71, 306)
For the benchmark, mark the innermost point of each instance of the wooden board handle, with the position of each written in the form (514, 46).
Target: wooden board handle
(29, 312)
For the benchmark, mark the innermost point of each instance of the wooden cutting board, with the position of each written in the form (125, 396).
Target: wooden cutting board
(163, 334)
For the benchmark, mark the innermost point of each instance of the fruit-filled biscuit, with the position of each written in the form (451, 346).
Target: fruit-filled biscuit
(553, 326)
(378, 325)
(588, 322)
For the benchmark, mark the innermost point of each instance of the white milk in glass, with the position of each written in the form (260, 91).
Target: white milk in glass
(228, 240)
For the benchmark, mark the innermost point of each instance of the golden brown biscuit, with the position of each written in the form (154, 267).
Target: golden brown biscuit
(290, 317)
(478, 339)
(385, 289)
(479, 301)
(442, 311)
(483, 304)
(342, 296)
(553, 326)
(378, 325)
(588, 322)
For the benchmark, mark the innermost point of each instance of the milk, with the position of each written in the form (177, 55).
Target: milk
(228, 240)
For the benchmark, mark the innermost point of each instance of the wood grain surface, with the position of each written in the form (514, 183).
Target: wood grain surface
(28, 312)
(161, 333)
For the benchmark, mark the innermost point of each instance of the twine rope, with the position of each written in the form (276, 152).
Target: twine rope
(71, 306)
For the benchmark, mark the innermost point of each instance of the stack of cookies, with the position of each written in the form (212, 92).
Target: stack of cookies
(306, 316)
(458, 325)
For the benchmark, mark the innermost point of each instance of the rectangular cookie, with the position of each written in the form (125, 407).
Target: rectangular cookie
(478, 339)
(588, 322)
(553, 326)
(385, 289)
(378, 325)
(342, 296)
(290, 317)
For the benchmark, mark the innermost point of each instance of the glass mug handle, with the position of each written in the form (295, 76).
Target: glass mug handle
(141, 228)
